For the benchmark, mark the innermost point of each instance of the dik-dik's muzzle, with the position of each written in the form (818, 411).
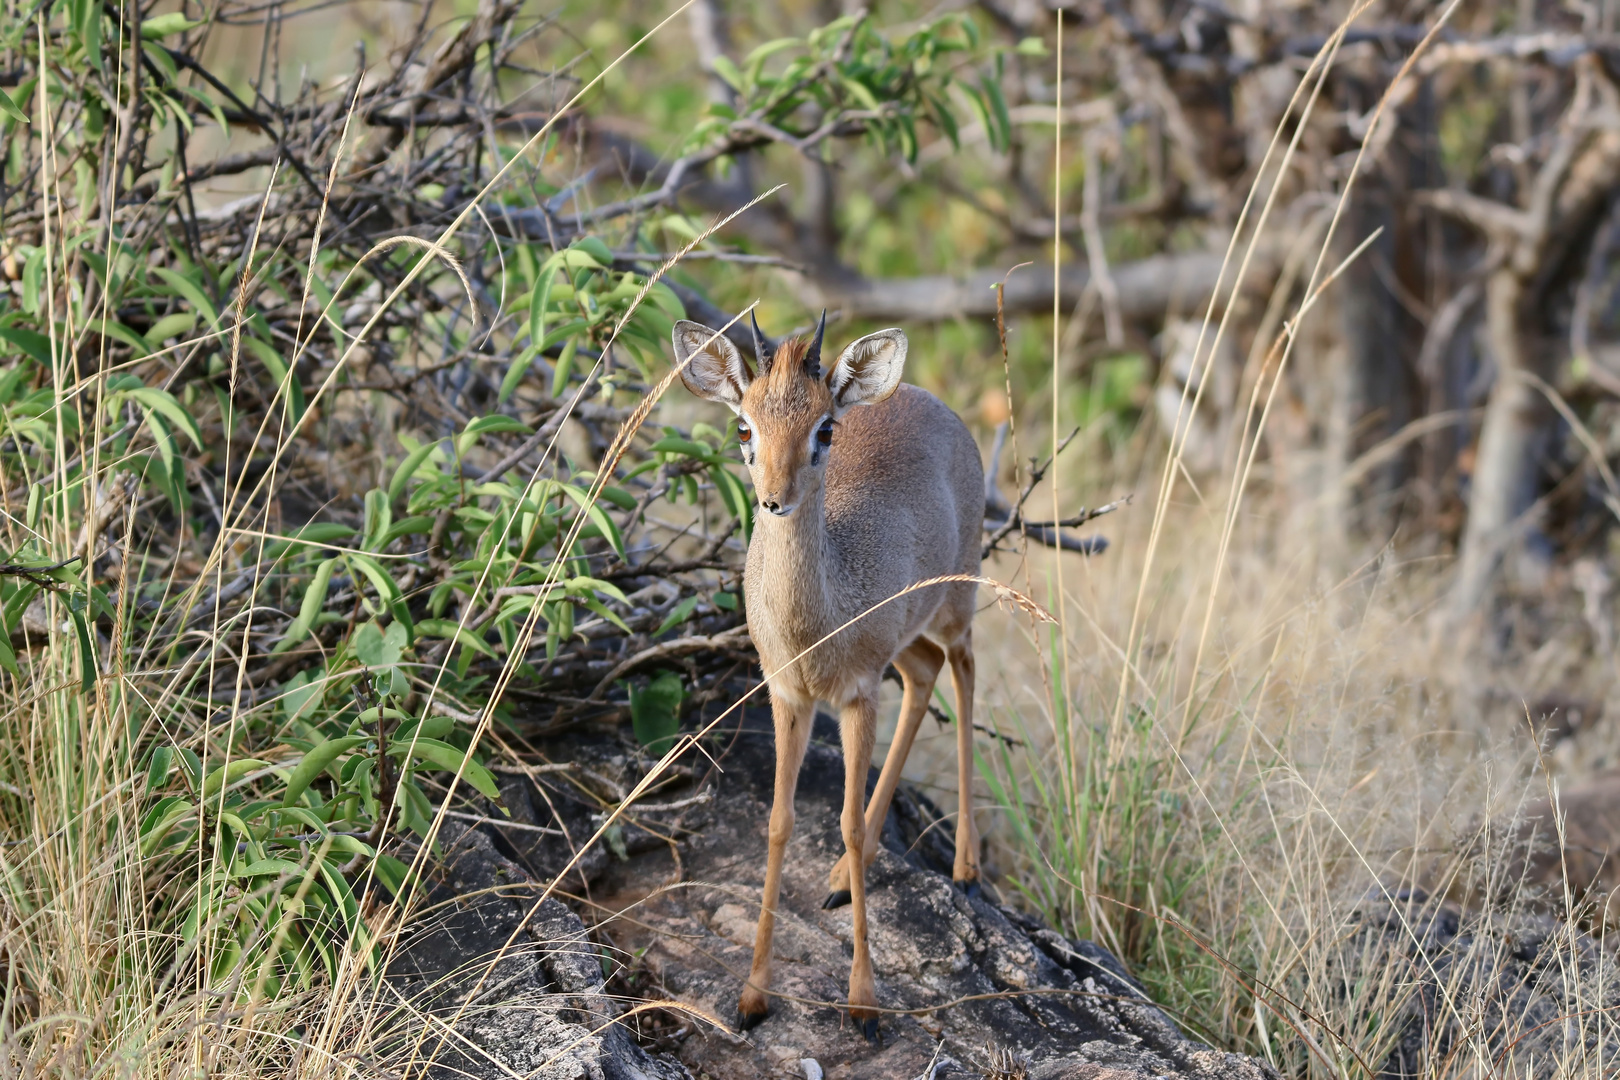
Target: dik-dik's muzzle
(775, 505)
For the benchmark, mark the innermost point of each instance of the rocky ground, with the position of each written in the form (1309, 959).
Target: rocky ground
(670, 898)
(671, 901)
(1501, 993)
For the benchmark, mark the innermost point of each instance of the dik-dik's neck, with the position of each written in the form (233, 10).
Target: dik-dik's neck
(796, 567)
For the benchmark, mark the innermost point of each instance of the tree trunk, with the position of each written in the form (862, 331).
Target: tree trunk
(1505, 466)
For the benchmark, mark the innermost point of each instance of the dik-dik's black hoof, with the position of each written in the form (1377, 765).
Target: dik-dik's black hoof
(970, 889)
(750, 1021)
(869, 1028)
(835, 900)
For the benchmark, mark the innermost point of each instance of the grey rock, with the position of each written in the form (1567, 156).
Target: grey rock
(517, 978)
(1529, 993)
(982, 985)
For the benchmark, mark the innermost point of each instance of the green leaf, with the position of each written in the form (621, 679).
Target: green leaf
(618, 497)
(189, 290)
(279, 371)
(394, 874)
(514, 374)
(315, 762)
(674, 444)
(595, 248)
(601, 609)
(87, 651)
(862, 93)
(161, 26)
(413, 525)
(727, 70)
(179, 324)
(770, 48)
(163, 402)
(314, 599)
(210, 104)
(496, 423)
(564, 369)
(263, 867)
(582, 584)
(446, 757)
(376, 648)
(449, 628)
(230, 773)
(157, 771)
(735, 496)
(1001, 131)
(190, 764)
(305, 817)
(161, 821)
(664, 298)
(539, 301)
(655, 713)
(9, 108)
(34, 344)
(407, 469)
(434, 727)
(350, 846)
(485, 425)
(679, 614)
(379, 518)
(371, 715)
(119, 332)
(597, 515)
(88, 24)
(301, 694)
(387, 590)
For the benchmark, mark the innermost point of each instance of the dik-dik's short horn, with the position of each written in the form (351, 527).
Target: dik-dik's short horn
(762, 351)
(812, 358)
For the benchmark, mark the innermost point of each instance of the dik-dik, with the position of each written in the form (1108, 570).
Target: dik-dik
(867, 486)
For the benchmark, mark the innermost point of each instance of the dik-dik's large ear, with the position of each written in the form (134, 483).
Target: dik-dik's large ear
(869, 370)
(712, 367)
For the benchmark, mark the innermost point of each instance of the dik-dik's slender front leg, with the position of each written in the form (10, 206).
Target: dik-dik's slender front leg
(858, 731)
(919, 665)
(966, 869)
(792, 721)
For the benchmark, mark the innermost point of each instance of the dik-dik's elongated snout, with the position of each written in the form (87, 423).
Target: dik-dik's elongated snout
(779, 478)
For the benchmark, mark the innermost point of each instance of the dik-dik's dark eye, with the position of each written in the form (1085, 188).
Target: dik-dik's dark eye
(824, 433)
(744, 433)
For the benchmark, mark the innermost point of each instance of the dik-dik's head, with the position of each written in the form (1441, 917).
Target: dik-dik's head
(787, 414)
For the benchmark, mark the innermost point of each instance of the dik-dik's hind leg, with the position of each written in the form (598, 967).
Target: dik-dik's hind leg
(919, 665)
(966, 869)
(857, 730)
(792, 723)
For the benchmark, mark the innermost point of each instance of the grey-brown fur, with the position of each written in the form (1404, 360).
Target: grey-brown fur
(897, 498)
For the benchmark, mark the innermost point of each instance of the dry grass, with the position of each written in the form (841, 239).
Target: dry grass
(1232, 845)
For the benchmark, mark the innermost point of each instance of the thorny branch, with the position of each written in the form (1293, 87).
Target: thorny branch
(1003, 519)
